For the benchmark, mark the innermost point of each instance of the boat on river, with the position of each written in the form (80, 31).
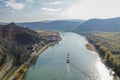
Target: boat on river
(68, 58)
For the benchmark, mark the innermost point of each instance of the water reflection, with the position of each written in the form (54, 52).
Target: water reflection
(103, 71)
(69, 72)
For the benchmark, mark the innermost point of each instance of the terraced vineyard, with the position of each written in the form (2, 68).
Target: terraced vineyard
(111, 40)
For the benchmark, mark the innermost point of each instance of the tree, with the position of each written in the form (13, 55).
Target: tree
(103, 50)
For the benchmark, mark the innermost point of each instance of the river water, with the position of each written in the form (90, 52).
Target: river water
(84, 64)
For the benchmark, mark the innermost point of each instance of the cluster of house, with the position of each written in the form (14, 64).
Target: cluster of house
(35, 48)
(46, 37)
(50, 37)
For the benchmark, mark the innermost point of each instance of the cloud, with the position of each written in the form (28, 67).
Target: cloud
(1, 10)
(14, 5)
(86, 9)
(29, 1)
(56, 3)
(7, 11)
(51, 9)
(27, 14)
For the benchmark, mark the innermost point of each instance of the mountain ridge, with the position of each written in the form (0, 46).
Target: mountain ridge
(77, 25)
(60, 25)
(105, 25)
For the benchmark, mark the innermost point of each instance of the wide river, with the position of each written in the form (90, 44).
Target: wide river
(84, 64)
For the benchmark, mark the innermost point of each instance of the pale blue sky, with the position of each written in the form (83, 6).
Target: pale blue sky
(37, 10)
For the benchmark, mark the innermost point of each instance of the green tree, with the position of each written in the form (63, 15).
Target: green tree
(103, 50)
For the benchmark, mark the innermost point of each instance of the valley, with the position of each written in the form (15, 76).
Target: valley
(59, 40)
(20, 46)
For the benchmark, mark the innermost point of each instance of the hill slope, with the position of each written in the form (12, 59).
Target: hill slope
(106, 25)
(20, 45)
(14, 40)
(18, 34)
(60, 25)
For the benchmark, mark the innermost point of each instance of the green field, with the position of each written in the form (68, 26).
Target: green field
(111, 40)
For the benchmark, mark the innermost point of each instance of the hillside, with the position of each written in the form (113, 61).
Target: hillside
(14, 44)
(60, 25)
(18, 46)
(14, 41)
(110, 40)
(105, 25)
(13, 32)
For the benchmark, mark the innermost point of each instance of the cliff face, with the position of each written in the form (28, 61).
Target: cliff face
(14, 41)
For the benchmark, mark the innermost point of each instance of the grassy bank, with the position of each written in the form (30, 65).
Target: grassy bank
(103, 44)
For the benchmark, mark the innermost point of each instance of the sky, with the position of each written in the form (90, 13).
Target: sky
(38, 10)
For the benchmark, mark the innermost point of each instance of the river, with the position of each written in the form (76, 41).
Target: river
(84, 64)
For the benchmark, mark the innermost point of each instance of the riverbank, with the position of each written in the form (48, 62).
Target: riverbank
(90, 47)
(19, 73)
(38, 54)
(107, 57)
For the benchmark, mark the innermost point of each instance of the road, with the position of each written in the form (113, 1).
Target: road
(7, 66)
